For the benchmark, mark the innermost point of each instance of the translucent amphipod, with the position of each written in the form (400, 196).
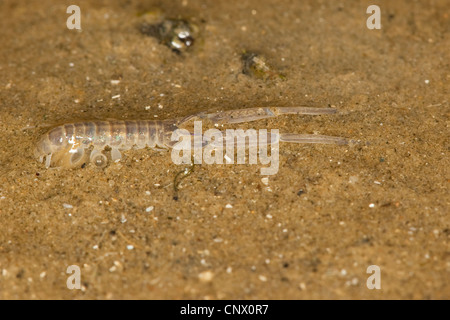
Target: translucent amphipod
(72, 144)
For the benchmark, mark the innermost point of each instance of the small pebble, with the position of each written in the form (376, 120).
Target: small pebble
(228, 206)
(353, 179)
(67, 206)
(206, 276)
(149, 209)
(256, 66)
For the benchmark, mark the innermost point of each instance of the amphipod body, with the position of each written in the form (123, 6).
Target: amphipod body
(71, 144)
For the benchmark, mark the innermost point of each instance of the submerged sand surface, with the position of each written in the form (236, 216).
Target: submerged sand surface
(310, 231)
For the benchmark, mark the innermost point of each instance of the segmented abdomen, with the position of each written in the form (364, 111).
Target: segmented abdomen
(119, 135)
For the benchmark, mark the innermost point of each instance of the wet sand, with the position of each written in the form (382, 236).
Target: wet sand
(310, 231)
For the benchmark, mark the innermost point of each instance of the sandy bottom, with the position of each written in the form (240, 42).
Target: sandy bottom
(310, 231)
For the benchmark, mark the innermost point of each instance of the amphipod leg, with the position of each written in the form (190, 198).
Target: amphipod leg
(76, 157)
(98, 159)
(252, 114)
(48, 160)
(115, 155)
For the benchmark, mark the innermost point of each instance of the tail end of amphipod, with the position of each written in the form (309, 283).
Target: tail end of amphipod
(312, 138)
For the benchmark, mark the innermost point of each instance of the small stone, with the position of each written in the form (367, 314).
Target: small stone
(206, 276)
(353, 179)
(67, 206)
(256, 66)
(177, 34)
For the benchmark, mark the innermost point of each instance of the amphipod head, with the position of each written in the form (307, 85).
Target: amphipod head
(44, 150)
(58, 150)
